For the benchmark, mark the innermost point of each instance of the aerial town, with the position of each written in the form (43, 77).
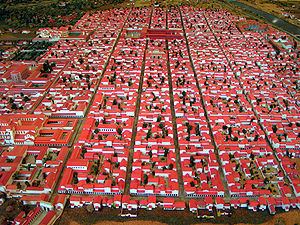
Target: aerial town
(152, 108)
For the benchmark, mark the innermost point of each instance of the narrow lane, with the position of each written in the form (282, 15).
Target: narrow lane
(181, 193)
(136, 119)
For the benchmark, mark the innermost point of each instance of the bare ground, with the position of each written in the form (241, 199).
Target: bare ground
(160, 217)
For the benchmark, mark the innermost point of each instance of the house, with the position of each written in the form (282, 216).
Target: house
(75, 201)
(49, 218)
(219, 203)
(60, 201)
(151, 202)
(168, 203)
(97, 203)
(179, 205)
(193, 205)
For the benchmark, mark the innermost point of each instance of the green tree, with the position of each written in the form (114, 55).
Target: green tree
(145, 179)
(14, 106)
(149, 133)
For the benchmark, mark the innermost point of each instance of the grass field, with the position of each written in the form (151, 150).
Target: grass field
(8, 36)
(278, 8)
(142, 3)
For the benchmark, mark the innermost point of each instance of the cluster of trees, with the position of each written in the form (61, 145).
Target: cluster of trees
(30, 13)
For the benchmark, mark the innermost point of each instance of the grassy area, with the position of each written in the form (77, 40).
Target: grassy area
(9, 36)
(142, 3)
(277, 8)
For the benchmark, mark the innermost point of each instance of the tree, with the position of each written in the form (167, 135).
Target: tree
(192, 161)
(161, 125)
(198, 132)
(46, 67)
(230, 131)
(159, 118)
(149, 133)
(166, 152)
(80, 60)
(150, 153)
(14, 106)
(189, 128)
(237, 167)
(235, 138)
(19, 185)
(16, 174)
(145, 179)
(26, 98)
(266, 180)
(97, 123)
(83, 151)
(75, 180)
(95, 169)
(119, 131)
(274, 128)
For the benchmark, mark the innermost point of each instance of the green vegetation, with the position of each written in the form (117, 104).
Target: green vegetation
(33, 13)
(142, 3)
